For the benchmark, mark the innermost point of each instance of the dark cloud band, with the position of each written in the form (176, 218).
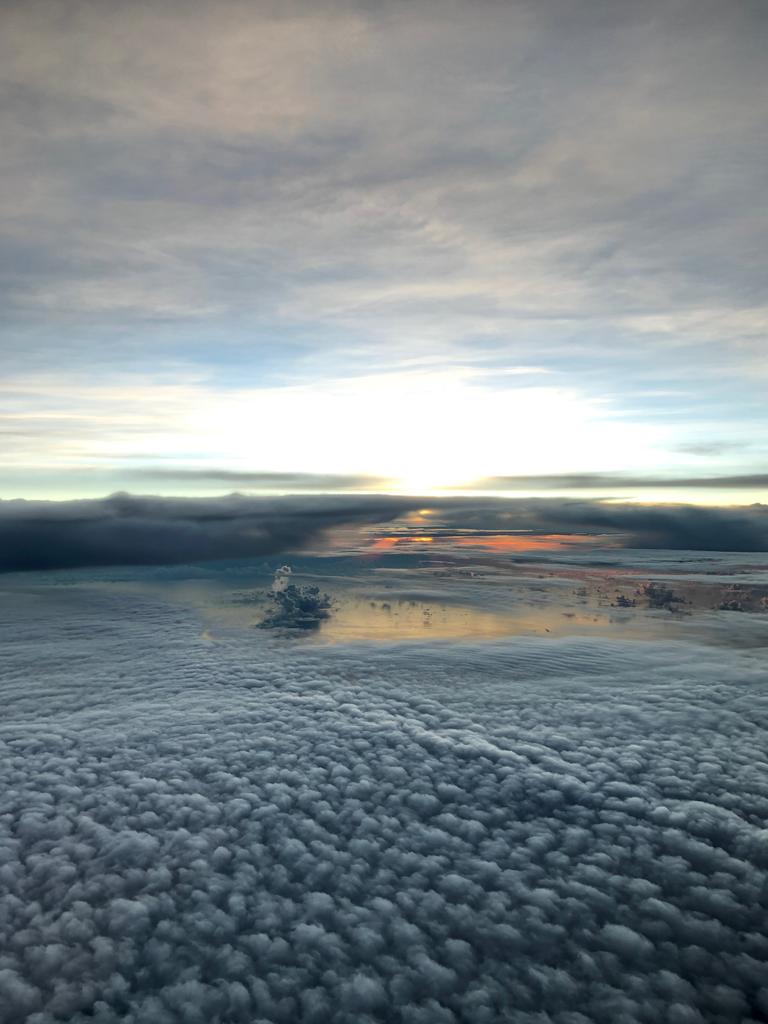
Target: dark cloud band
(129, 530)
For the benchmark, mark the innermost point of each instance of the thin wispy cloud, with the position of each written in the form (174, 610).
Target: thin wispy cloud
(612, 481)
(264, 481)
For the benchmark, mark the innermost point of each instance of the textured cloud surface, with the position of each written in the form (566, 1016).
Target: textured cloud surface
(370, 164)
(530, 831)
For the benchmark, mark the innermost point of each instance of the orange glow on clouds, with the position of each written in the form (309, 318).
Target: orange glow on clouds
(523, 542)
(387, 543)
(494, 542)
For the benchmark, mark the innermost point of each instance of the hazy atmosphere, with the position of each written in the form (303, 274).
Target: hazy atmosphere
(383, 512)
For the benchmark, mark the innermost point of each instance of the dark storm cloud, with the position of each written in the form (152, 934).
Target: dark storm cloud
(130, 530)
(571, 832)
(274, 481)
(606, 482)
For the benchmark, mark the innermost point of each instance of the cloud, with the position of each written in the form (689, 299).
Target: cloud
(611, 481)
(126, 529)
(263, 481)
(713, 447)
(629, 525)
(682, 527)
(462, 178)
(570, 831)
(247, 192)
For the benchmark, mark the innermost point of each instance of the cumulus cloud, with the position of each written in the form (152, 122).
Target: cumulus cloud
(568, 832)
(127, 529)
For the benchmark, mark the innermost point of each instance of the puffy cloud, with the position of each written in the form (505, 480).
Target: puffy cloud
(564, 831)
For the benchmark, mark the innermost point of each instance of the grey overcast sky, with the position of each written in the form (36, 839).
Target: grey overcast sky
(407, 246)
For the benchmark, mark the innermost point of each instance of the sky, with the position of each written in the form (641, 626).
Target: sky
(420, 248)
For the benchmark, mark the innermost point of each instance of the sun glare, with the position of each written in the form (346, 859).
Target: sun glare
(426, 432)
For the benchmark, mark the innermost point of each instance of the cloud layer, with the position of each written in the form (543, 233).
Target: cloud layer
(566, 832)
(253, 195)
(683, 527)
(348, 158)
(126, 529)
(265, 481)
(607, 482)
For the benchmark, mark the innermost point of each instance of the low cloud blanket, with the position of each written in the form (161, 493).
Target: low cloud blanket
(532, 831)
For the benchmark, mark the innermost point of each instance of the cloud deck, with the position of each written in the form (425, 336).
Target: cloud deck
(456, 834)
